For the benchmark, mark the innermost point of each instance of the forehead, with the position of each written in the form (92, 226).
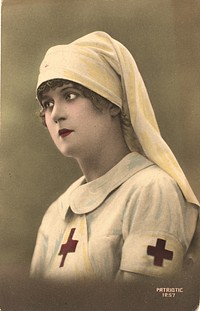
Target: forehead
(52, 85)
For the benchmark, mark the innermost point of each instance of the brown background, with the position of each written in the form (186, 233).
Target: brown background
(163, 37)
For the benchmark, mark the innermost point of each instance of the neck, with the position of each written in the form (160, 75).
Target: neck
(95, 166)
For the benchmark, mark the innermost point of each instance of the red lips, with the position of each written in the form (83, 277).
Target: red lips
(64, 132)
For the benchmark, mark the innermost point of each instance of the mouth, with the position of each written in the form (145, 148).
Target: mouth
(64, 132)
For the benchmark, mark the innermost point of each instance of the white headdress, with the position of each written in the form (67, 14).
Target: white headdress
(104, 65)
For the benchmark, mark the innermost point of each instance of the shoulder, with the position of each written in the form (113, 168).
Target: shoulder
(154, 200)
(154, 179)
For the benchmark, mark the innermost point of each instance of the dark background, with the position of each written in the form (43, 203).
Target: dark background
(162, 35)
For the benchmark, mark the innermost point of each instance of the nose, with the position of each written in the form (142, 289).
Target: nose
(58, 112)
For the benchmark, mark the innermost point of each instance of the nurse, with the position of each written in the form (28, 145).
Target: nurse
(133, 213)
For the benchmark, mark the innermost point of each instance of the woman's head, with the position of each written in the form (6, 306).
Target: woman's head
(104, 66)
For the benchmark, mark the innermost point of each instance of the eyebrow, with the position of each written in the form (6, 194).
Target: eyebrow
(70, 86)
(44, 96)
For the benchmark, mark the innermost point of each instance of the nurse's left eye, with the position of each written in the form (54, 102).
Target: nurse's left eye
(70, 96)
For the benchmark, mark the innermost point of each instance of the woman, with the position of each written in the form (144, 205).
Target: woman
(133, 212)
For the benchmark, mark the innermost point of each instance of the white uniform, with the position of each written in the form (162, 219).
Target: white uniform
(134, 219)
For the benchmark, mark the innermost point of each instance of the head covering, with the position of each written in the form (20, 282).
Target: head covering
(105, 66)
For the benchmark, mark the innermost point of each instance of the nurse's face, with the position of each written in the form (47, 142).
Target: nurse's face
(77, 128)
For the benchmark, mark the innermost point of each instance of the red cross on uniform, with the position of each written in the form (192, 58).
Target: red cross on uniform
(159, 252)
(68, 247)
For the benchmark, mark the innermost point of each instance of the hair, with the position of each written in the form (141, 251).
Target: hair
(98, 101)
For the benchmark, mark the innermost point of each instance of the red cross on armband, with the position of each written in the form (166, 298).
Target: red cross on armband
(68, 247)
(159, 252)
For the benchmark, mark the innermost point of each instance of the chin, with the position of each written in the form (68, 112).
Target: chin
(70, 151)
(67, 153)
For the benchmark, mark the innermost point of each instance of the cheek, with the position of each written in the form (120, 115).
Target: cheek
(50, 126)
(48, 120)
(46, 117)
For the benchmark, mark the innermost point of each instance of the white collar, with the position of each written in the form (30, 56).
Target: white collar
(84, 197)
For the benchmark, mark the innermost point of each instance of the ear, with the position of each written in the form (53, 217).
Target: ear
(114, 110)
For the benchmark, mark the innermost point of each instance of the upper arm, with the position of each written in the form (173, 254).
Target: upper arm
(156, 235)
